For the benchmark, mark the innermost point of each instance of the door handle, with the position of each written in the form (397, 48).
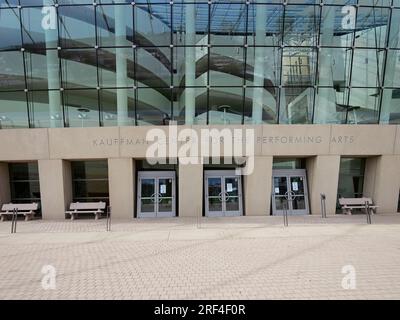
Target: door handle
(290, 195)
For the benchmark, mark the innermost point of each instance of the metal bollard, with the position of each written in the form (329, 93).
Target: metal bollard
(285, 215)
(14, 221)
(323, 205)
(108, 220)
(368, 212)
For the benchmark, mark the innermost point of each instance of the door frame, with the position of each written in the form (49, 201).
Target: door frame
(288, 173)
(156, 174)
(227, 173)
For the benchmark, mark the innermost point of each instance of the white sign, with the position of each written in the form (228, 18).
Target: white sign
(277, 190)
(163, 188)
(229, 187)
(295, 186)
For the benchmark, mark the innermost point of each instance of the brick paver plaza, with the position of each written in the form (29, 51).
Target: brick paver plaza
(227, 258)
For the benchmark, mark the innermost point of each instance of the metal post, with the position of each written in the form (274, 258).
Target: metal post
(368, 212)
(285, 215)
(108, 222)
(323, 205)
(14, 221)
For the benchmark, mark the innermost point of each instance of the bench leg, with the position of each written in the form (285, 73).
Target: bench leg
(3, 218)
(27, 217)
(96, 216)
(72, 217)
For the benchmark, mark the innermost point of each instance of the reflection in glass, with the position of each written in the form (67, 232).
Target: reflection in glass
(24, 182)
(390, 112)
(334, 30)
(114, 24)
(226, 105)
(43, 113)
(394, 35)
(265, 23)
(332, 105)
(165, 204)
(301, 25)
(147, 205)
(13, 110)
(33, 33)
(81, 108)
(351, 177)
(89, 180)
(228, 23)
(214, 187)
(77, 26)
(200, 63)
(281, 203)
(334, 67)
(11, 71)
(280, 186)
(298, 66)
(115, 67)
(298, 203)
(371, 37)
(148, 188)
(288, 163)
(200, 108)
(363, 105)
(214, 204)
(232, 204)
(10, 29)
(154, 67)
(367, 68)
(260, 105)
(296, 105)
(152, 22)
(78, 67)
(112, 102)
(153, 106)
(226, 66)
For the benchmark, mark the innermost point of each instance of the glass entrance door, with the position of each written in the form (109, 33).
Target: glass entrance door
(156, 194)
(222, 193)
(289, 187)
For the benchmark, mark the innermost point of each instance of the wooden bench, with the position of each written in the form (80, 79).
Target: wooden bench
(348, 204)
(27, 209)
(97, 208)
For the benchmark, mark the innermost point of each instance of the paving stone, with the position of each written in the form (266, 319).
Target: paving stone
(173, 259)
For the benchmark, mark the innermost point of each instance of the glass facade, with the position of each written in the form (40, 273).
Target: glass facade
(90, 181)
(289, 163)
(24, 182)
(85, 63)
(351, 177)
